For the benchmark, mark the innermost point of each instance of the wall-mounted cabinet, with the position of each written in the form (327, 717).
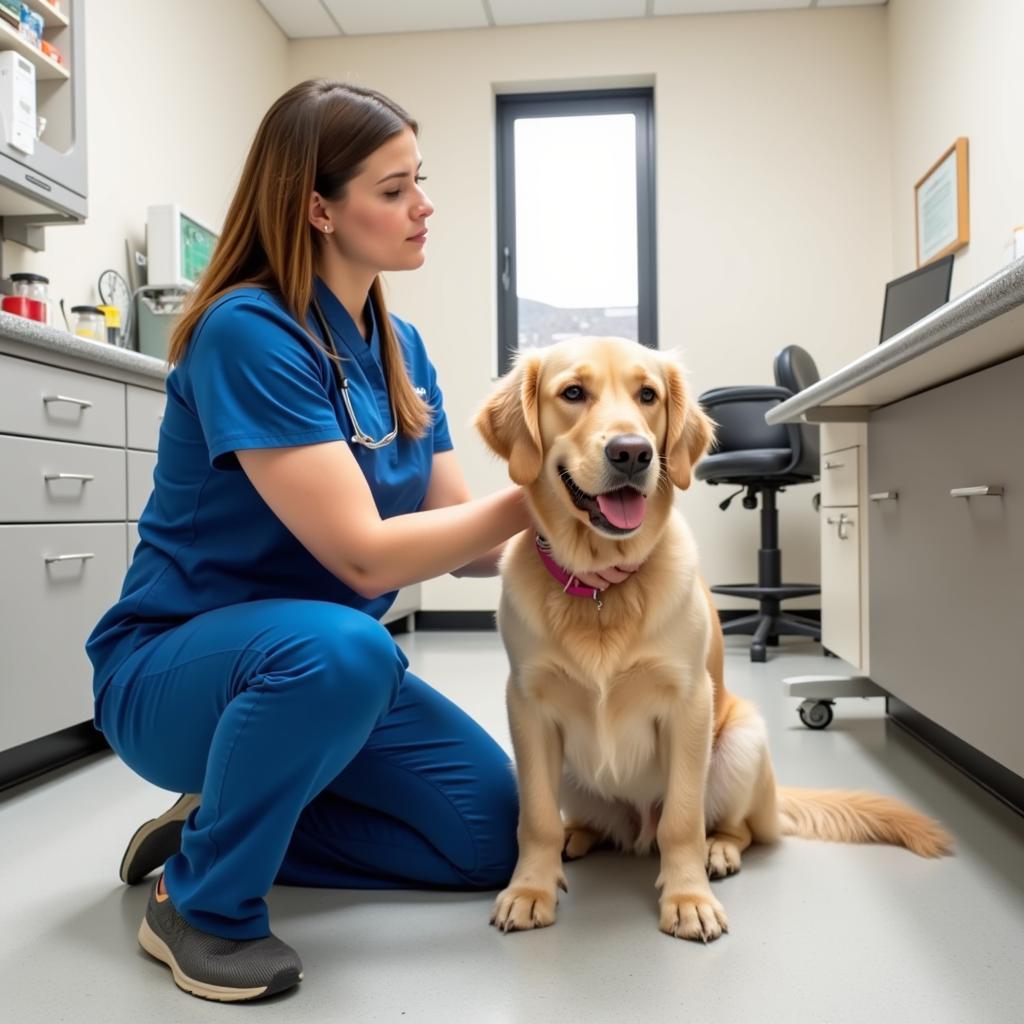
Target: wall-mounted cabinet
(48, 185)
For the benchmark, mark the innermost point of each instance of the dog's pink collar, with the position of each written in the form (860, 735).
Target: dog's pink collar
(569, 583)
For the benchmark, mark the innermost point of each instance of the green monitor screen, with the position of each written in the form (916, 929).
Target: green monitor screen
(196, 248)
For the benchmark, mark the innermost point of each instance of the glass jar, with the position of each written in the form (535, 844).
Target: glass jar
(89, 323)
(35, 289)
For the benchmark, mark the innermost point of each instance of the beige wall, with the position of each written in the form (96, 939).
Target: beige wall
(773, 178)
(787, 148)
(175, 92)
(955, 69)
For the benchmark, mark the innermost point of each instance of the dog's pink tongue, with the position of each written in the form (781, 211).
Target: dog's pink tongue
(624, 508)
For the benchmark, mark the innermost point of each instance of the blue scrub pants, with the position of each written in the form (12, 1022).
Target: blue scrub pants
(320, 759)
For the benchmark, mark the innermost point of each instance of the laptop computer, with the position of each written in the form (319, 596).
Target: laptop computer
(915, 295)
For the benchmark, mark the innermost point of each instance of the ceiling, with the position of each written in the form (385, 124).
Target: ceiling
(307, 19)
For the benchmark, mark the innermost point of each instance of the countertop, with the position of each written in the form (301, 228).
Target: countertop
(36, 335)
(977, 329)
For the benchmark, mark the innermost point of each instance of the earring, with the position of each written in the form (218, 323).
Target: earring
(327, 227)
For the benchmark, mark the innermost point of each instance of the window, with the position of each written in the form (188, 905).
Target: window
(575, 218)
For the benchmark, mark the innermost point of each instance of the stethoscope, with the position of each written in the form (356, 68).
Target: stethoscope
(360, 436)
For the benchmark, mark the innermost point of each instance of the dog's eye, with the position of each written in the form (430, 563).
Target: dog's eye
(574, 393)
(648, 395)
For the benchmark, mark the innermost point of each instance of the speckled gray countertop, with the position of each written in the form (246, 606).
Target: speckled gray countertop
(29, 332)
(979, 328)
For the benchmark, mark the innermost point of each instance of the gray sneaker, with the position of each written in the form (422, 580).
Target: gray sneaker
(156, 840)
(227, 970)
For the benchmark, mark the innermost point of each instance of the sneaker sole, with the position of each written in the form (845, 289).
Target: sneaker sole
(155, 840)
(159, 950)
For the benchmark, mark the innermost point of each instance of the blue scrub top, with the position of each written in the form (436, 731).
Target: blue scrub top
(252, 378)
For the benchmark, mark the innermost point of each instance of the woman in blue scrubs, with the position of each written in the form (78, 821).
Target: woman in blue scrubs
(305, 473)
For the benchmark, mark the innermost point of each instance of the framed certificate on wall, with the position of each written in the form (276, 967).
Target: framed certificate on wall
(941, 211)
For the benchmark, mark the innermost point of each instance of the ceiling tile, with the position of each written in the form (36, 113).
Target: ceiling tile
(360, 18)
(301, 19)
(723, 6)
(533, 12)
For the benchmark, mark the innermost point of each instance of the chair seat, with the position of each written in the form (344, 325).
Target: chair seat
(751, 462)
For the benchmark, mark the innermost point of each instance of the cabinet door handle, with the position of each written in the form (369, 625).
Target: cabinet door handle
(834, 465)
(842, 523)
(81, 402)
(68, 558)
(995, 490)
(84, 477)
(885, 496)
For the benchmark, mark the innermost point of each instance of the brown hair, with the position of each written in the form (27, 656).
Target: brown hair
(314, 138)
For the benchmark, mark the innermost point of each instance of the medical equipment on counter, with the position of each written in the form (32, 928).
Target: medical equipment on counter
(112, 319)
(156, 312)
(115, 293)
(89, 323)
(29, 297)
(178, 247)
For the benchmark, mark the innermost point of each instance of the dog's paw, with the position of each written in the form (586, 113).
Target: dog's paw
(579, 841)
(696, 916)
(522, 907)
(723, 857)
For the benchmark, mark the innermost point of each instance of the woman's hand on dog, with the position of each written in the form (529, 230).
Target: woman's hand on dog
(602, 579)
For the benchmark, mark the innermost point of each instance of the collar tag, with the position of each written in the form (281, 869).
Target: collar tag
(570, 584)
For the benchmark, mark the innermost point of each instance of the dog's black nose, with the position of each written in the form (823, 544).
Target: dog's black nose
(629, 453)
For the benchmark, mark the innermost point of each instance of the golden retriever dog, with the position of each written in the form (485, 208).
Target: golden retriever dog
(619, 715)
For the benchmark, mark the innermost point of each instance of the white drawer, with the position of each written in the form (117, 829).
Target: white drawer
(840, 479)
(145, 412)
(44, 401)
(140, 481)
(47, 609)
(49, 481)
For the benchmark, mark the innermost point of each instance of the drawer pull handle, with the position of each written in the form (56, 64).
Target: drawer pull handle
(84, 477)
(995, 490)
(81, 402)
(842, 522)
(885, 496)
(68, 558)
(834, 465)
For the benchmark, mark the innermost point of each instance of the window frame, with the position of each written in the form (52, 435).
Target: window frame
(509, 107)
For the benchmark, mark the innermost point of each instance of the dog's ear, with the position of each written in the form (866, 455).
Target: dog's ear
(508, 421)
(690, 430)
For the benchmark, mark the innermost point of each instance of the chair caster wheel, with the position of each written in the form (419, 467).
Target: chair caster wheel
(816, 714)
(758, 652)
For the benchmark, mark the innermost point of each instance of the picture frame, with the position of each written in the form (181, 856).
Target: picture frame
(941, 206)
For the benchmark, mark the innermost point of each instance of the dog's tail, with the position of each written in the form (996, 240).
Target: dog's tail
(844, 816)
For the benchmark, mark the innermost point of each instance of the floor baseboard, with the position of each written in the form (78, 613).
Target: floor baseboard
(28, 760)
(980, 768)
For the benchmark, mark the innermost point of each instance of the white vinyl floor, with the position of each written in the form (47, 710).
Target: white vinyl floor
(819, 932)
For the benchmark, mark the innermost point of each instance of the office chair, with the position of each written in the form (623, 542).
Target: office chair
(763, 460)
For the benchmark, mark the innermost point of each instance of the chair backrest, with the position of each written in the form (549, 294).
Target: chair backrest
(795, 370)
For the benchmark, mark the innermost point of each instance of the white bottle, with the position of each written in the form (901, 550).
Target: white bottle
(18, 101)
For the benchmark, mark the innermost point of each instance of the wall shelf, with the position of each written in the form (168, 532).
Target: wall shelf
(52, 18)
(47, 69)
